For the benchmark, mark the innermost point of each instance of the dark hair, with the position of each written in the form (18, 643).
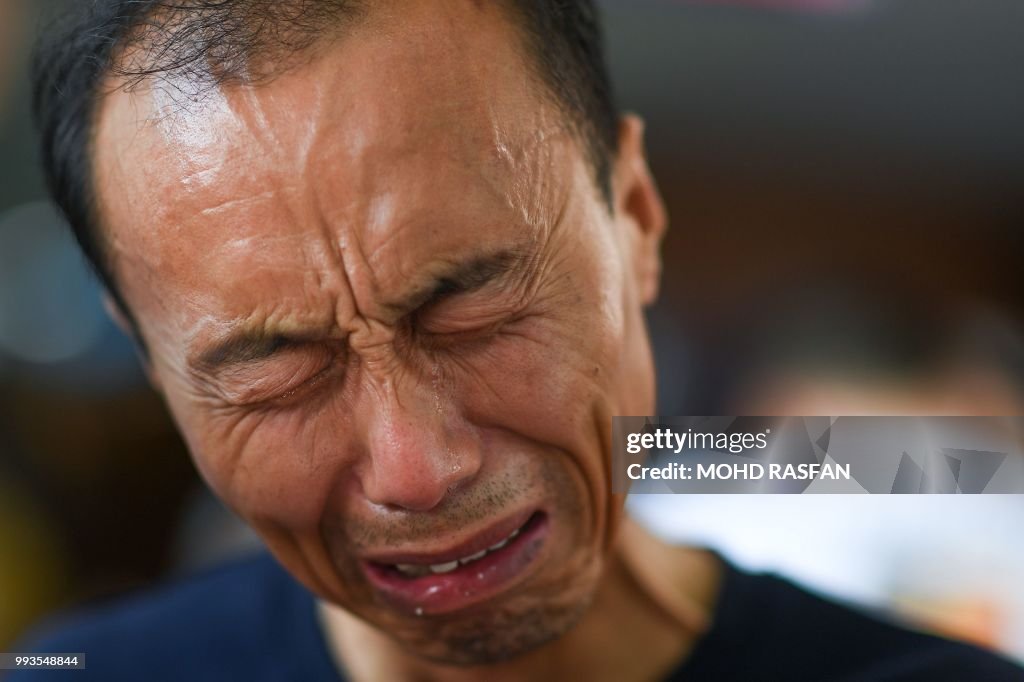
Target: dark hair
(216, 41)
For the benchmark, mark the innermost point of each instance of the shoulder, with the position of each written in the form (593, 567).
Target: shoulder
(247, 618)
(766, 627)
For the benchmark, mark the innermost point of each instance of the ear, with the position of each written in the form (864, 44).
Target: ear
(120, 318)
(638, 207)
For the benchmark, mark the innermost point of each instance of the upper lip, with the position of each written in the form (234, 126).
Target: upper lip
(492, 534)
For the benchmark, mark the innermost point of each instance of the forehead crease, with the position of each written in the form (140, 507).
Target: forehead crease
(451, 113)
(200, 135)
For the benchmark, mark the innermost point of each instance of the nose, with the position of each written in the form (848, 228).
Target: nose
(419, 449)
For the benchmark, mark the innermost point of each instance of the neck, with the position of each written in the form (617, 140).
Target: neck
(653, 603)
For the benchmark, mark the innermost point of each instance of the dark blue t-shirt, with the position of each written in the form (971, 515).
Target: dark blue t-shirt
(251, 621)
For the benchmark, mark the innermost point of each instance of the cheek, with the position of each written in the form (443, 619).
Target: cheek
(545, 378)
(553, 382)
(278, 472)
(557, 374)
(268, 468)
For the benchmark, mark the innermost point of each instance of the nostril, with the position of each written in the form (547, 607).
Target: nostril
(457, 485)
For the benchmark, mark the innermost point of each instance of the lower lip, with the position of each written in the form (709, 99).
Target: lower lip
(467, 585)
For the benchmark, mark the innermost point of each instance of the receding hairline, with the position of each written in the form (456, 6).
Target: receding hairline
(209, 42)
(560, 41)
(102, 152)
(145, 56)
(134, 66)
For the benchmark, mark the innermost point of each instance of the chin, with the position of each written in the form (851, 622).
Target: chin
(493, 636)
(509, 626)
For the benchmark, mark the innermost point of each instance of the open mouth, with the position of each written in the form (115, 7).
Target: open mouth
(473, 571)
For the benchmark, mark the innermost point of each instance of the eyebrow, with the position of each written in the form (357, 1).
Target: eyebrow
(462, 277)
(242, 346)
(247, 344)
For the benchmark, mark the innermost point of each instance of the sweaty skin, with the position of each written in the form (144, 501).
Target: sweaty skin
(388, 307)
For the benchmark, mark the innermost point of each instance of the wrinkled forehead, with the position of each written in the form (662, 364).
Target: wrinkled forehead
(436, 102)
(444, 82)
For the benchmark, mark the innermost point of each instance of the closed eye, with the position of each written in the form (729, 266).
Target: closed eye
(458, 314)
(285, 374)
(459, 319)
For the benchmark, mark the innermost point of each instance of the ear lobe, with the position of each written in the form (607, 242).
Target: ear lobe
(638, 202)
(117, 314)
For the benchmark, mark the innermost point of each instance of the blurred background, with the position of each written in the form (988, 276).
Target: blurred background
(844, 180)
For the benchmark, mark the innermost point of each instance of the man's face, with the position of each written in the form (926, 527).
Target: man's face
(393, 318)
